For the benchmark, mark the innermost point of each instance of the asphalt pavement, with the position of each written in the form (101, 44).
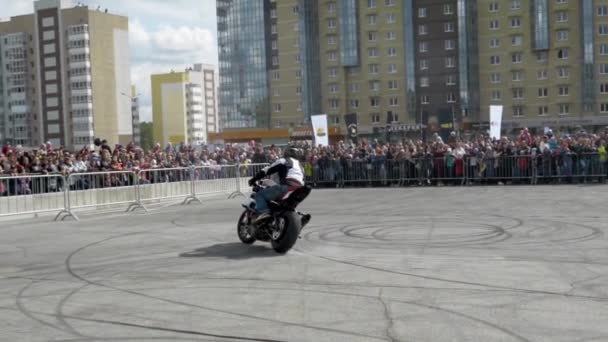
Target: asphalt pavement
(513, 263)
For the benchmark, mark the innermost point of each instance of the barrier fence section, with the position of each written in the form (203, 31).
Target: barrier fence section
(32, 194)
(450, 170)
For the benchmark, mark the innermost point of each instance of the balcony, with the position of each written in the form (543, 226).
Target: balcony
(78, 36)
(77, 106)
(80, 64)
(81, 92)
(82, 120)
(79, 50)
(81, 78)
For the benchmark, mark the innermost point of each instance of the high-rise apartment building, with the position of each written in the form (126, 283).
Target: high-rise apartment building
(183, 105)
(545, 61)
(63, 70)
(337, 57)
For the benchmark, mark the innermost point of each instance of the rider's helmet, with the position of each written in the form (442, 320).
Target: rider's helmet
(291, 152)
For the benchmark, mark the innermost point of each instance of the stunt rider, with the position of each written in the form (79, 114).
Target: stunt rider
(291, 177)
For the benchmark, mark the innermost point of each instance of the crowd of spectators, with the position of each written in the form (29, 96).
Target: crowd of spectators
(422, 161)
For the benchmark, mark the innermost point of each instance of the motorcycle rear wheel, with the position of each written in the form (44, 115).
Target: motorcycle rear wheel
(243, 231)
(289, 234)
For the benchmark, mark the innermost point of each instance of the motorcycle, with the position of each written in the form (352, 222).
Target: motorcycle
(284, 225)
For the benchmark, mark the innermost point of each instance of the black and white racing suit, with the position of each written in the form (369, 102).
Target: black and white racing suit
(290, 175)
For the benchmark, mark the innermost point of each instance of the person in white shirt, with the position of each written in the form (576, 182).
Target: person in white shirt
(291, 178)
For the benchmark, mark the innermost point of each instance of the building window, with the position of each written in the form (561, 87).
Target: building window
(494, 25)
(331, 23)
(273, 29)
(391, 68)
(422, 12)
(276, 92)
(371, 36)
(422, 29)
(604, 88)
(603, 29)
(563, 91)
(371, 19)
(604, 108)
(518, 94)
(495, 77)
(390, 35)
(450, 80)
(371, 3)
(275, 60)
(448, 9)
(389, 2)
(517, 40)
(561, 2)
(450, 62)
(564, 109)
(493, 7)
(390, 18)
(277, 107)
(562, 35)
(516, 58)
(518, 111)
(296, 10)
(543, 92)
(543, 110)
(373, 68)
(374, 85)
(298, 90)
(494, 42)
(448, 27)
(354, 103)
(393, 102)
(563, 72)
(495, 60)
(424, 82)
(450, 98)
(334, 103)
(496, 95)
(374, 102)
(331, 7)
(354, 88)
(602, 11)
(449, 44)
(424, 64)
(561, 16)
(515, 4)
(392, 85)
(515, 22)
(423, 47)
(276, 76)
(516, 76)
(375, 118)
(333, 88)
(603, 69)
(273, 13)
(333, 72)
(562, 53)
(331, 40)
(372, 52)
(392, 52)
(274, 45)
(331, 56)
(603, 49)
(424, 99)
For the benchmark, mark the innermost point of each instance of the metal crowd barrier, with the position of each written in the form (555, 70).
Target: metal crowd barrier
(33, 194)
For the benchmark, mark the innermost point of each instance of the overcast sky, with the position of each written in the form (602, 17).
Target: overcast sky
(163, 34)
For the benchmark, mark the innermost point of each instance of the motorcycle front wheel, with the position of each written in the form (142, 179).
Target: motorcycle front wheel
(286, 233)
(242, 229)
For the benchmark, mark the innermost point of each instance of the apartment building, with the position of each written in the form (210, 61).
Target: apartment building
(183, 105)
(135, 115)
(544, 61)
(63, 70)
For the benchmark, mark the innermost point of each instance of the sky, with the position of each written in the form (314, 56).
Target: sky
(163, 35)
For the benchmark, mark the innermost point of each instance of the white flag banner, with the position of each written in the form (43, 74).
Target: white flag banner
(319, 127)
(495, 121)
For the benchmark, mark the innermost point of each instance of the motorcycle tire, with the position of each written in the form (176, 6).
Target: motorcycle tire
(290, 233)
(241, 232)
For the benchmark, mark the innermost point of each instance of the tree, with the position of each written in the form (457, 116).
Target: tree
(147, 138)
